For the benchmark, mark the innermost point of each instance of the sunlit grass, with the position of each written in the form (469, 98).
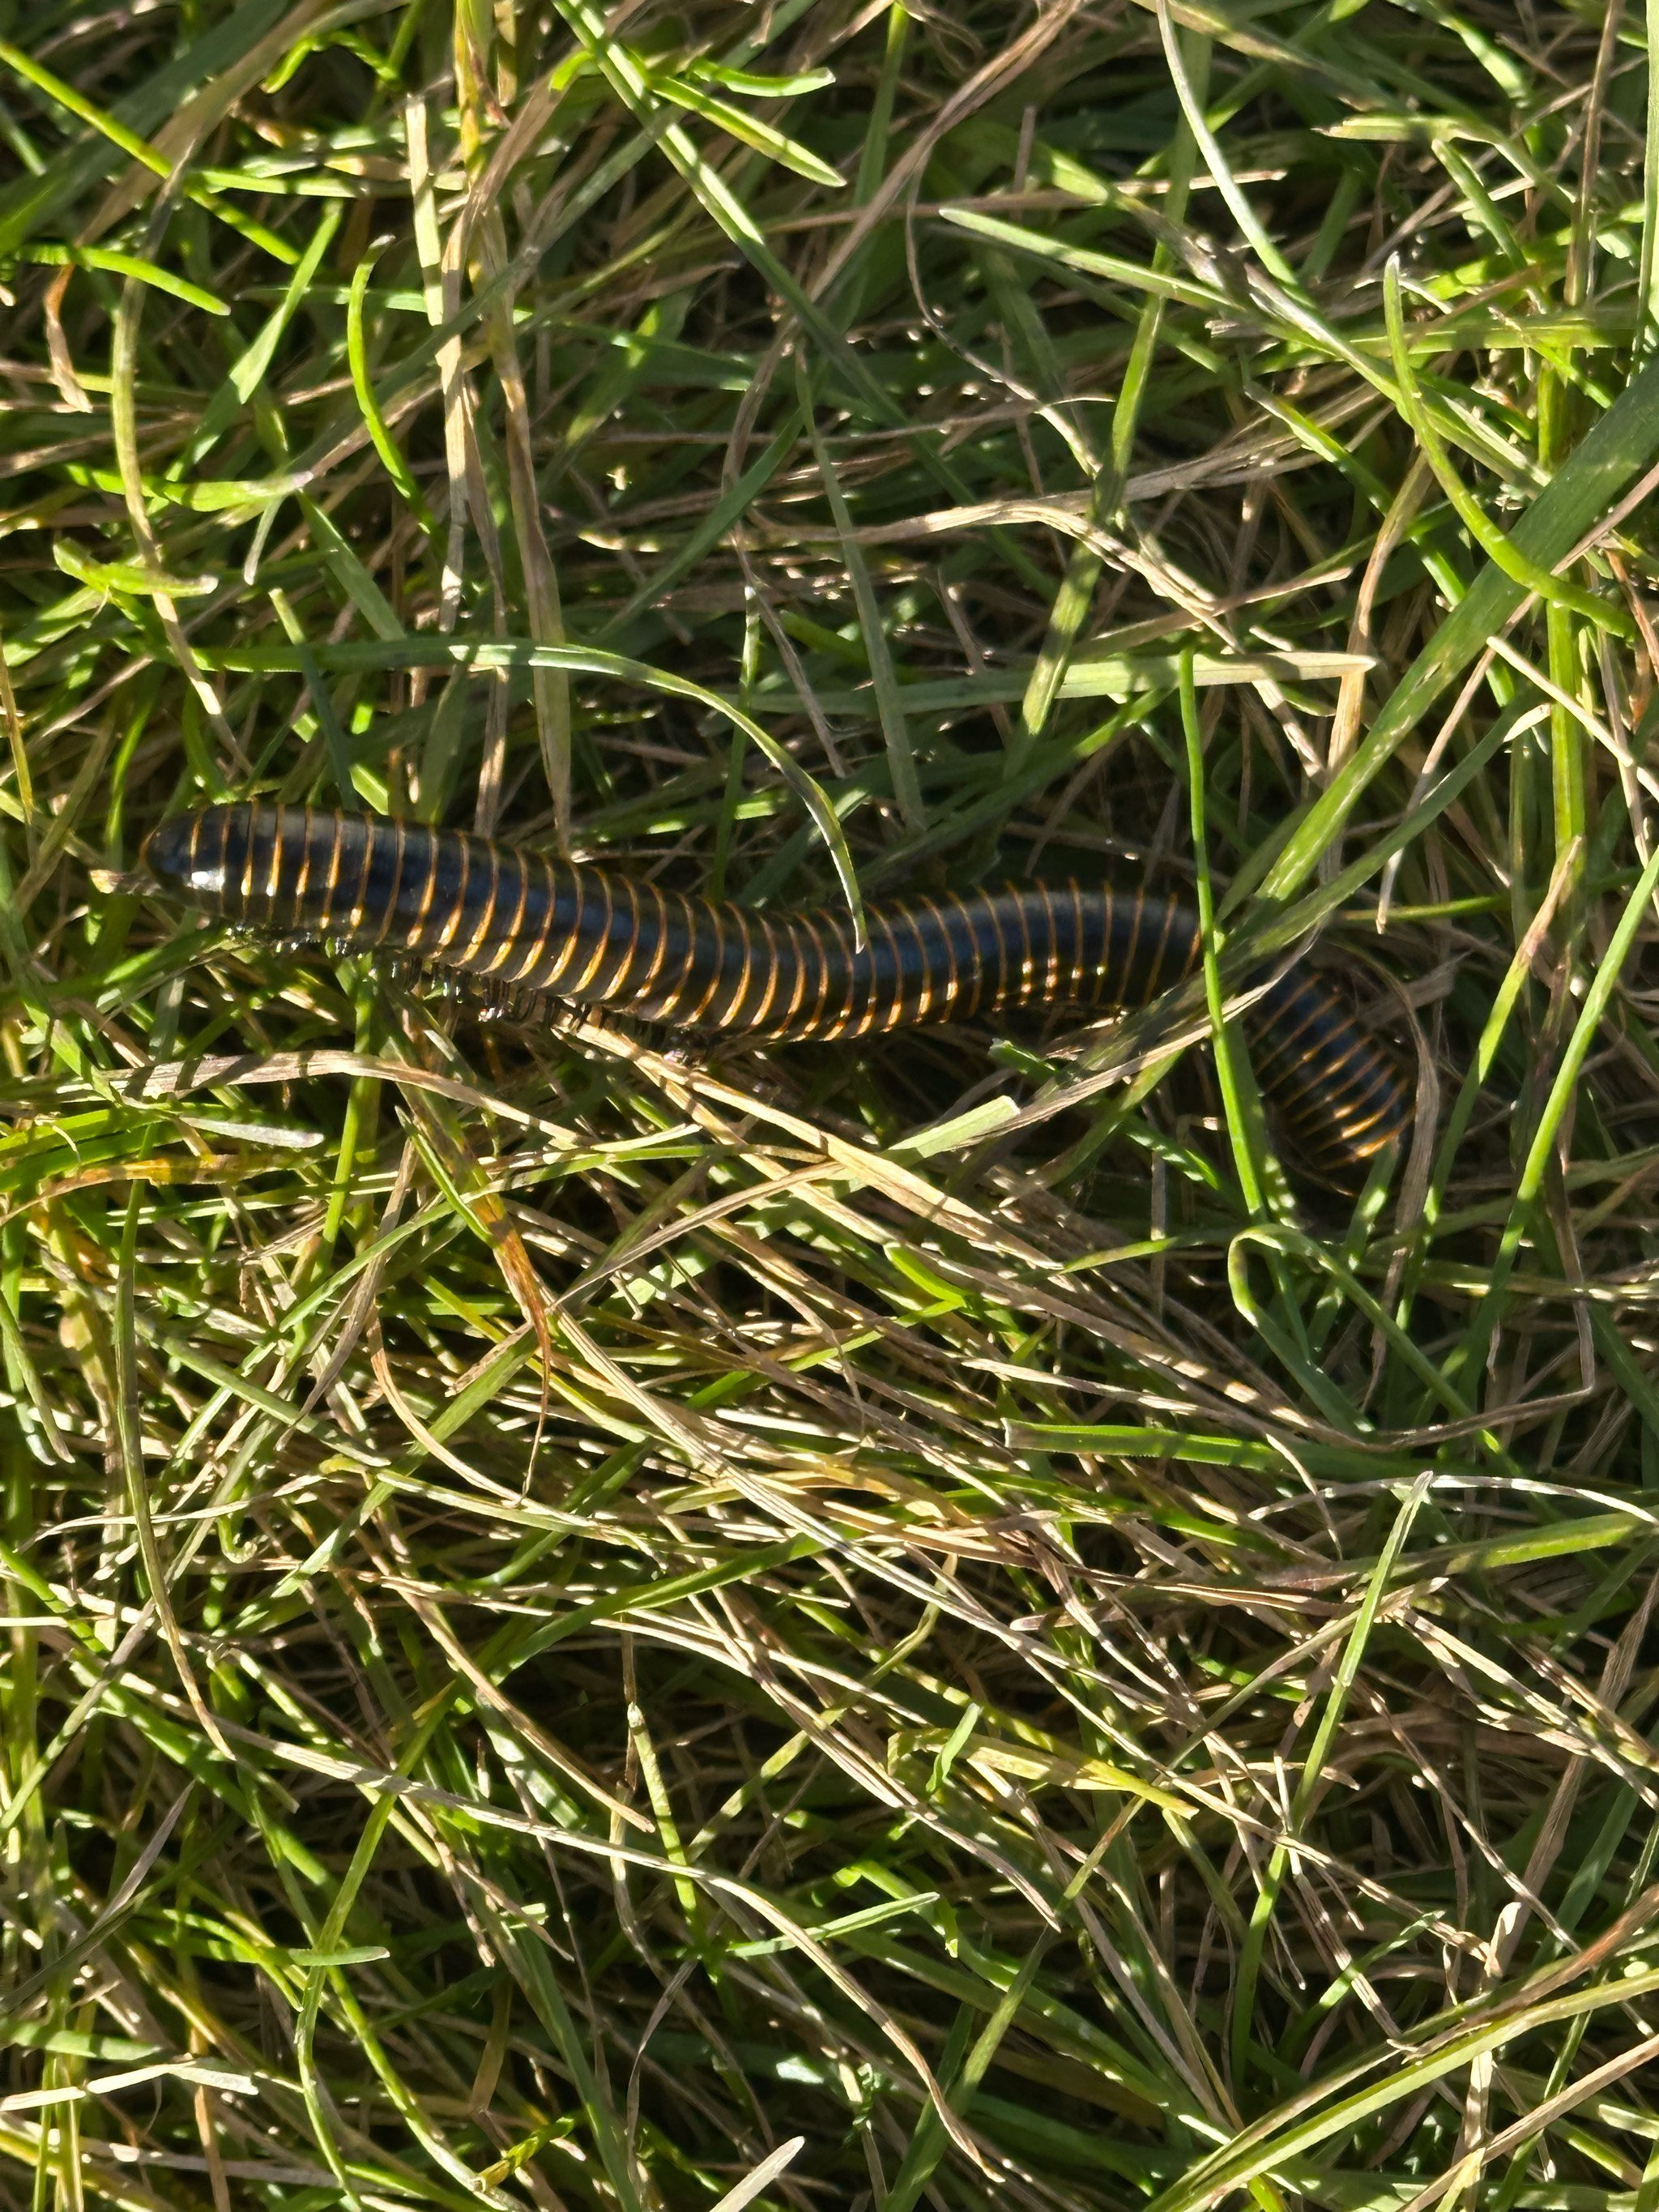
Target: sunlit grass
(594, 1622)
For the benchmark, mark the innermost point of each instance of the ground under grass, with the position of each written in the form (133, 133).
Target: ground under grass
(855, 1627)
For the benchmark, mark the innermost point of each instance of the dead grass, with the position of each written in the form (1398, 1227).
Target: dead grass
(587, 1623)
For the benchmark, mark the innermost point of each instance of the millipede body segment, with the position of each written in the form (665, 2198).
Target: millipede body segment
(588, 935)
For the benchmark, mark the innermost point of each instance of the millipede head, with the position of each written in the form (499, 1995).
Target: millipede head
(168, 852)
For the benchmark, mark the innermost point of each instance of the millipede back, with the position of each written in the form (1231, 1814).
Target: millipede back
(597, 937)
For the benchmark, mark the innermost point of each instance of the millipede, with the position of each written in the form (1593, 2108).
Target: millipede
(596, 938)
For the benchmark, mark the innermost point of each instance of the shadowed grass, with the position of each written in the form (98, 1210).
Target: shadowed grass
(596, 1625)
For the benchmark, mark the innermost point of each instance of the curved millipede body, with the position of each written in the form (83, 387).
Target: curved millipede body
(588, 935)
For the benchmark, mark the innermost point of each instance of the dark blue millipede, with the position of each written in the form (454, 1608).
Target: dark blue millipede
(586, 934)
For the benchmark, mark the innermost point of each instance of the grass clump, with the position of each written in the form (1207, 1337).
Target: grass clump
(589, 1625)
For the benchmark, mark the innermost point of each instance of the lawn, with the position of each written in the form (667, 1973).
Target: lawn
(597, 1619)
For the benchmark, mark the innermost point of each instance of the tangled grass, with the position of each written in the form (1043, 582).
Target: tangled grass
(590, 1626)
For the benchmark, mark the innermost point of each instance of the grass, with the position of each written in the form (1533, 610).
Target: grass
(593, 1624)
